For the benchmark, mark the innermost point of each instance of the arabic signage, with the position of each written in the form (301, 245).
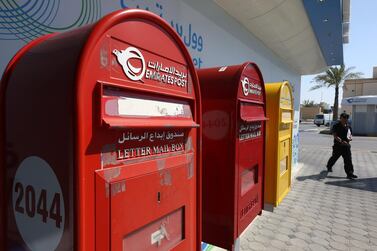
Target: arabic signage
(168, 75)
(250, 130)
(250, 87)
(134, 144)
(360, 100)
(144, 67)
(164, 146)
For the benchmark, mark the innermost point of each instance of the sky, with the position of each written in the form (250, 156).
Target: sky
(360, 52)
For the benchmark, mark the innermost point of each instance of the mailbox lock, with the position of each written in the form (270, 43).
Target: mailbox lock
(158, 197)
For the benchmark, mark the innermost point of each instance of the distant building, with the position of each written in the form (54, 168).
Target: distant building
(308, 112)
(359, 87)
(360, 100)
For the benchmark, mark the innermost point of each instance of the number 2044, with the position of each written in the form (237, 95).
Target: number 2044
(32, 204)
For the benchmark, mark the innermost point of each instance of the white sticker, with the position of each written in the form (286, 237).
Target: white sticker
(223, 68)
(38, 204)
(215, 124)
(157, 237)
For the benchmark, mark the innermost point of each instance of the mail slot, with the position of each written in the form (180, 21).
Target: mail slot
(102, 140)
(278, 143)
(233, 102)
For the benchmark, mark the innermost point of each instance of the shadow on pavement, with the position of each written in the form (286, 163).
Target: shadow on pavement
(336, 177)
(322, 175)
(368, 184)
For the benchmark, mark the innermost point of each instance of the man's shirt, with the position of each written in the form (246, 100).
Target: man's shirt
(341, 131)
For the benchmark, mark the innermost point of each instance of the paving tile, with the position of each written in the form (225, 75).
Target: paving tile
(289, 225)
(244, 245)
(317, 247)
(321, 234)
(339, 238)
(354, 236)
(282, 237)
(304, 229)
(372, 234)
(322, 228)
(306, 224)
(342, 216)
(341, 221)
(291, 220)
(262, 239)
(303, 236)
(285, 230)
(358, 231)
(278, 244)
(272, 248)
(360, 225)
(323, 223)
(320, 241)
(359, 244)
(373, 240)
(340, 226)
(340, 232)
(269, 226)
(256, 246)
(249, 237)
(267, 232)
(296, 242)
(339, 246)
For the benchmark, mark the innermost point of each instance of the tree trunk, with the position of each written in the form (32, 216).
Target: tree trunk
(336, 103)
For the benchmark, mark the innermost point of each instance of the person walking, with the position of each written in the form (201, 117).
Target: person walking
(342, 133)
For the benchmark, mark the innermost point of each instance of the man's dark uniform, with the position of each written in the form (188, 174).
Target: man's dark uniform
(341, 149)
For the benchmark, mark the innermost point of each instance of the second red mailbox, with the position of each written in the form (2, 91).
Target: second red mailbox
(233, 102)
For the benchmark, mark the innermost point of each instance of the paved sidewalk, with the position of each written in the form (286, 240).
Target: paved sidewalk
(323, 211)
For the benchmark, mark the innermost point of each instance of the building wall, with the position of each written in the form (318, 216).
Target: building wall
(364, 120)
(359, 87)
(212, 37)
(349, 89)
(309, 112)
(370, 88)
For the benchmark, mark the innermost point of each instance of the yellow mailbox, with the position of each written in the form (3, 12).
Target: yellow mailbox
(279, 104)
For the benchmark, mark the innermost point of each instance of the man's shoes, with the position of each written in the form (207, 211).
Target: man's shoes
(351, 176)
(329, 169)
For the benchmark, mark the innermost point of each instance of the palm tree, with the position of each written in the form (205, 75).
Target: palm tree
(334, 77)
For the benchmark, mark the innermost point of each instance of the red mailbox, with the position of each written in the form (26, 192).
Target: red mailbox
(102, 140)
(233, 102)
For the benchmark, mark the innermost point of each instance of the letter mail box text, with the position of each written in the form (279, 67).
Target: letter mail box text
(278, 143)
(102, 139)
(233, 101)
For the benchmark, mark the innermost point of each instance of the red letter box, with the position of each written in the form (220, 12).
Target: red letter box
(102, 139)
(233, 101)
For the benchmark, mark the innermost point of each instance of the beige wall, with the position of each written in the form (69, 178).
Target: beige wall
(359, 87)
(370, 88)
(349, 90)
(309, 112)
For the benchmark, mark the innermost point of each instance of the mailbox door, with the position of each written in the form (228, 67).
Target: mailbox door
(250, 163)
(155, 220)
(285, 142)
(284, 168)
(148, 172)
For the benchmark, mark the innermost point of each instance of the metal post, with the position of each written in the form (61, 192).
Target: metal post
(236, 245)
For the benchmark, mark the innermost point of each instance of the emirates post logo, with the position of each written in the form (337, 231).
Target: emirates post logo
(245, 86)
(128, 58)
(250, 87)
